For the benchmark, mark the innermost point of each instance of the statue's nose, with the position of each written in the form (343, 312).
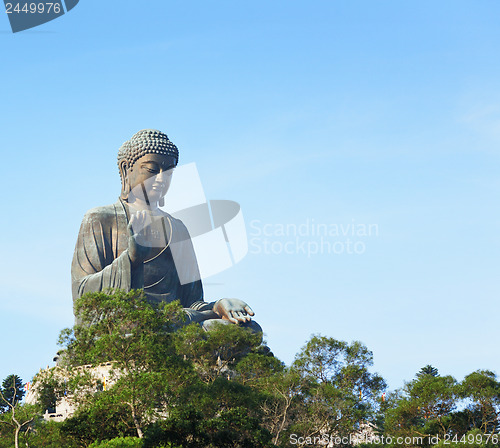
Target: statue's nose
(161, 176)
(164, 175)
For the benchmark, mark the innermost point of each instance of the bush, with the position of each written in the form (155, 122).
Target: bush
(119, 442)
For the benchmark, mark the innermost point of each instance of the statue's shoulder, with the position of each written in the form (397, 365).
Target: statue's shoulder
(105, 213)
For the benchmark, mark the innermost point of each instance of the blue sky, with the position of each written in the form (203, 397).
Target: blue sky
(332, 112)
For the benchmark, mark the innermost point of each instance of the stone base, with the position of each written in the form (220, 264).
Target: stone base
(67, 405)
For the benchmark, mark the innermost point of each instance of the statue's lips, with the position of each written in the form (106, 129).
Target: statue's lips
(158, 186)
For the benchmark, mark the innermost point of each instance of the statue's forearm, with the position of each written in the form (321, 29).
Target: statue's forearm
(136, 274)
(200, 316)
(202, 306)
(117, 275)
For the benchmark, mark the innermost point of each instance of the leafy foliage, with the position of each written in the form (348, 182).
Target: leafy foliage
(11, 393)
(457, 414)
(17, 423)
(428, 370)
(119, 442)
(178, 386)
(338, 390)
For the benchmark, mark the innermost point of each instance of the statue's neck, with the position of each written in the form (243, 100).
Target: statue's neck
(138, 204)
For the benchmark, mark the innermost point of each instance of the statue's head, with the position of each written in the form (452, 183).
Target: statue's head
(146, 162)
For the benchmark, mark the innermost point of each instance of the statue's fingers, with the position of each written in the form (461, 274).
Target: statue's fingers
(136, 217)
(245, 316)
(240, 316)
(249, 310)
(136, 222)
(141, 219)
(232, 318)
(131, 224)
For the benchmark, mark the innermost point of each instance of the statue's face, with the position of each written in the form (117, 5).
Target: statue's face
(154, 172)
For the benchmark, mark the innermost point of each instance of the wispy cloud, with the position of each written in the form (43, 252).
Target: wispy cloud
(484, 119)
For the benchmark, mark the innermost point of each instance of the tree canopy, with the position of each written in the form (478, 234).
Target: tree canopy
(172, 385)
(11, 392)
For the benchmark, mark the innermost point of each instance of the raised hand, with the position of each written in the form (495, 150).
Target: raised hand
(234, 310)
(139, 241)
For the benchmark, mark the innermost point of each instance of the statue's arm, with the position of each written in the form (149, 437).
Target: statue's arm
(97, 266)
(199, 315)
(116, 275)
(192, 300)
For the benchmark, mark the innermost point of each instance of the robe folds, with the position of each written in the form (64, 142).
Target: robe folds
(101, 261)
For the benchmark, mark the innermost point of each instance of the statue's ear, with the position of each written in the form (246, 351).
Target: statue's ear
(123, 166)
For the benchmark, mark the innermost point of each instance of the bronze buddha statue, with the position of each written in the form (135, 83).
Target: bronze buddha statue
(127, 245)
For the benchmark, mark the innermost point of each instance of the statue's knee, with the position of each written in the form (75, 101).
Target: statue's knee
(253, 325)
(210, 324)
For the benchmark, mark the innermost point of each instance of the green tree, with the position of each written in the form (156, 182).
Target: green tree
(12, 392)
(121, 327)
(216, 353)
(428, 370)
(16, 417)
(423, 407)
(187, 427)
(119, 442)
(46, 434)
(159, 367)
(178, 385)
(124, 328)
(481, 390)
(284, 402)
(103, 417)
(222, 406)
(49, 390)
(17, 422)
(336, 390)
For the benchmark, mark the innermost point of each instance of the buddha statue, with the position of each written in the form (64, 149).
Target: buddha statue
(127, 245)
